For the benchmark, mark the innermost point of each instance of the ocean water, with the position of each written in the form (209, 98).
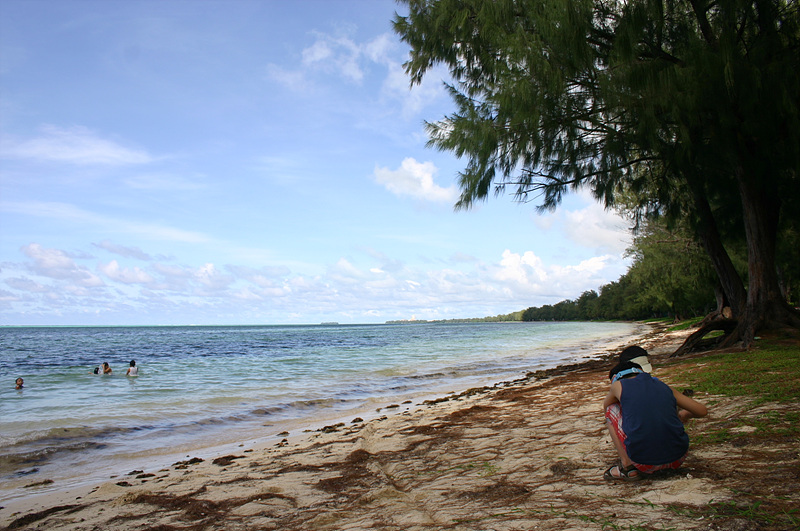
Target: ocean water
(206, 387)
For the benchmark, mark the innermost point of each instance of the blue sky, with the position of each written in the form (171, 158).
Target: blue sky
(251, 162)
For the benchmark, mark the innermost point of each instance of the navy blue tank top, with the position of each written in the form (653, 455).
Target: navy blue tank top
(655, 434)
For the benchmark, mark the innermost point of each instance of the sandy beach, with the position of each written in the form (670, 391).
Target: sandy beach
(527, 454)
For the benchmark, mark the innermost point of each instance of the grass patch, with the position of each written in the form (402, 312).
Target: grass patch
(659, 320)
(604, 523)
(685, 325)
(759, 512)
(780, 423)
(767, 512)
(770, 425)
(767, 373)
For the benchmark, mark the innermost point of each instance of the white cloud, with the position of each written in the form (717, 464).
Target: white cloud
(525, 269)
(247, 295)
(173, 277)
(345, 272)
(413, 99)
(264, 277)
(6, 297)
(213, 279)
(316, 53)
(593, 265)
(463, 258)
(529, 278)
(339, 55)
(591, 226)
(294, 80)
(379, 49)
(26, 284)
(56, 264)
(352, 288)
(127, 252)
(415, 179)
(595, 227)
(343, 57)
(125, 275)
(382, 50)
(75, 145)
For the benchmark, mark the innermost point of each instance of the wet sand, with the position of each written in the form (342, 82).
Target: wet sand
(527, 454)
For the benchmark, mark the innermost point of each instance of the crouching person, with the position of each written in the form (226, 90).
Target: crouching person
(645, 418)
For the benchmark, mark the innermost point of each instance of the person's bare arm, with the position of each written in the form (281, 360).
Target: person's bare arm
(613, 395)
(690, 408)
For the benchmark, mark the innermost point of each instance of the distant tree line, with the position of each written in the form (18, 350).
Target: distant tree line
(513, 316)
(671, 277)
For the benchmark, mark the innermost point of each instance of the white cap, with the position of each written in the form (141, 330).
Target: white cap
(643, 362)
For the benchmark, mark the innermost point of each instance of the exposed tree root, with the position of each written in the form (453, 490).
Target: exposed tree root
(698, 341)
(738, 331)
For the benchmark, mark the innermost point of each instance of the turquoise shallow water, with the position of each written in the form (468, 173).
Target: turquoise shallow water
(208, 386)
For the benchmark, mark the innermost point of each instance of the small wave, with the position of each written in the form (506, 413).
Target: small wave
(62, 436)
(11, 462)
(267, 411)
(428, 376)
(299, 408)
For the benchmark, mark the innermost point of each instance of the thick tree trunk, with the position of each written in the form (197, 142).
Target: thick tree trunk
(730, 292)
(729, 278)
(722, 311)
(723, 306)
(766, 307)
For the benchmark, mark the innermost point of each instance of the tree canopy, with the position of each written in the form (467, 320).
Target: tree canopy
(691, 107)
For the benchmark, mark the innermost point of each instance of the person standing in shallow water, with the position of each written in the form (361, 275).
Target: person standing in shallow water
(19, 383)
(645, 419)
(106, 368)
(133, 370)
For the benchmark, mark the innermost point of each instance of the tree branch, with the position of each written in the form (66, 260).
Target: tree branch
(700, 12)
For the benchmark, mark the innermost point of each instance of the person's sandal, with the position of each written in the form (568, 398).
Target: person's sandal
(625, 473)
